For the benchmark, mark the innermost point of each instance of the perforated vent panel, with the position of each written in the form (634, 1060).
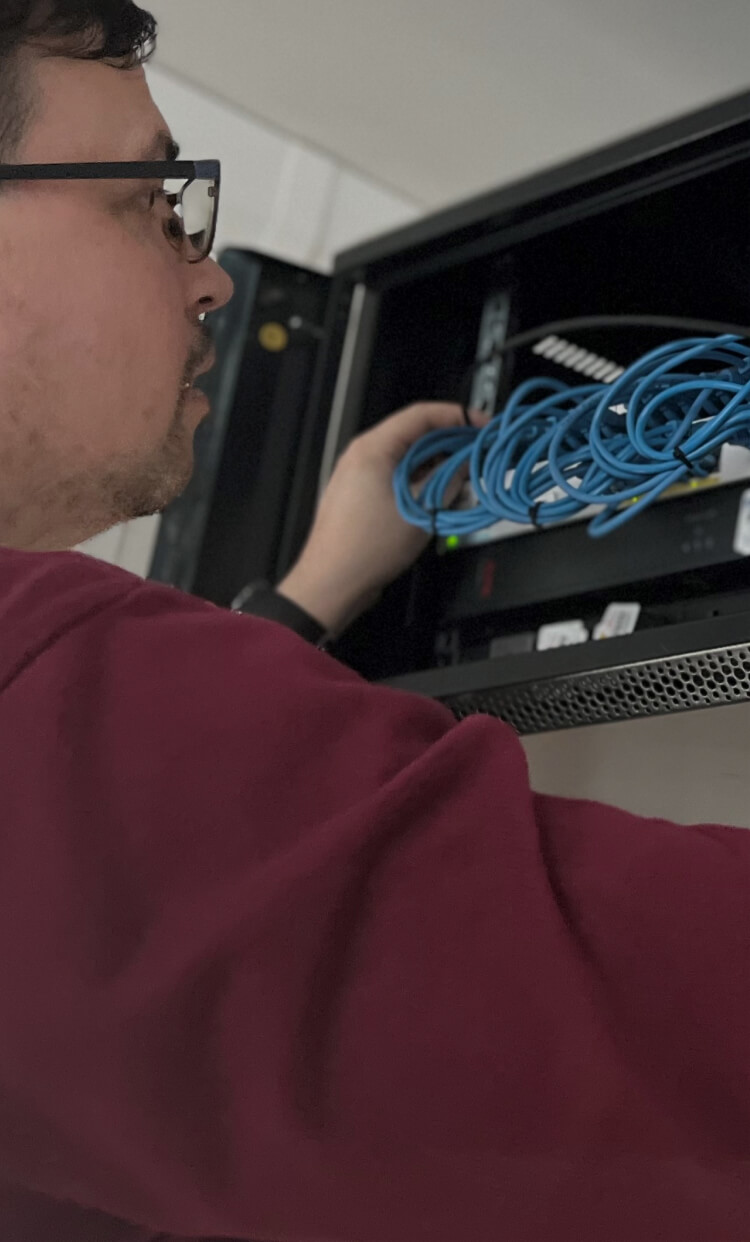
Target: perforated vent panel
(676, 684)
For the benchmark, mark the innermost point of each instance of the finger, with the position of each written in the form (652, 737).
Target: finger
(453, 489)
(456, 487)
(395, 435)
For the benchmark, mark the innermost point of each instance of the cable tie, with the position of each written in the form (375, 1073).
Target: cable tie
(433, 512)
(465, 412)
(685, 461)
(534, 515)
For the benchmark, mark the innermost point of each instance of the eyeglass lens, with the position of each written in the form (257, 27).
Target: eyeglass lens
(196, 205)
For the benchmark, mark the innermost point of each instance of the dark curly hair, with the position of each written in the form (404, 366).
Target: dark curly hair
(113, 30)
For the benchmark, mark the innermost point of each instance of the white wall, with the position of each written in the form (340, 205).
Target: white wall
(691, 767)
(278, 197)
(443, 99)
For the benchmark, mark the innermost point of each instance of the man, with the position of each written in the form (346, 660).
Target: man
(284, 955)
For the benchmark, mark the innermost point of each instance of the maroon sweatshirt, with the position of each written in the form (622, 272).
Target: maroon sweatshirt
(286, 956)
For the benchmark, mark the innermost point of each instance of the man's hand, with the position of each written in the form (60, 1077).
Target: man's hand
(359, 543)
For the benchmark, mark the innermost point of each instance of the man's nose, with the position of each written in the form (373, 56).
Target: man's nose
(212, 287)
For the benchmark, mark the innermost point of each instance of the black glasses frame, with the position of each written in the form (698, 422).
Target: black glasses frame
(150, 170)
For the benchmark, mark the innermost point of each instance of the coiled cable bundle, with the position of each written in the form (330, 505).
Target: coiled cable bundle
(556, 449)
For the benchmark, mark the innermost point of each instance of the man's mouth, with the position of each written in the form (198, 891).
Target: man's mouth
(210, 362)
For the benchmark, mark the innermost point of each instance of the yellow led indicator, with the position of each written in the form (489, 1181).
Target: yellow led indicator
(452, 541)
(273, 337)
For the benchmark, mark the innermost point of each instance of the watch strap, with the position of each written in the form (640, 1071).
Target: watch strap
(259, 599)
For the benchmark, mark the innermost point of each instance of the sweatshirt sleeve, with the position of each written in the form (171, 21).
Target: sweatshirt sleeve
(289, 956)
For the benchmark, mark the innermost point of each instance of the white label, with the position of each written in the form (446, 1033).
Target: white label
(741, 543)
(734, 463)
(561, 634)
(618, 619)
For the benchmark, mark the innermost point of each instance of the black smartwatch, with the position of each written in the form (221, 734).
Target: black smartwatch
(259, 599)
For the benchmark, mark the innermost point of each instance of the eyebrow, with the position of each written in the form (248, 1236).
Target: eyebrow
(163, 147)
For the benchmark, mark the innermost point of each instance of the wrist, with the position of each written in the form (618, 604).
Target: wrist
(333, 604)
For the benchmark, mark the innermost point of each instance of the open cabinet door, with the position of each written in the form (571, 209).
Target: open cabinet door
(225, 530)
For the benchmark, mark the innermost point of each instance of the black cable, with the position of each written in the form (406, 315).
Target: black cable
(589, 322)
(618, 321)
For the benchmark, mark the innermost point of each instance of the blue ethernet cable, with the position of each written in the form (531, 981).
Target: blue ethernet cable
(617, 446)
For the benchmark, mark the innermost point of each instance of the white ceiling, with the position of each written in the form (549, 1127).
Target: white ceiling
(442, 99)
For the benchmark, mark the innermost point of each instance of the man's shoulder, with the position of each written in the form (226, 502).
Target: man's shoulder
(53, 587)
(26, 570)
(45, 595)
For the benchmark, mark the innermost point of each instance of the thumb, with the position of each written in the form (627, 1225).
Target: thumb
(393, 437)
(478, 419)
(456, 486)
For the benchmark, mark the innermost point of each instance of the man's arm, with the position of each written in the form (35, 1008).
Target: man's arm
(288, 955)
(359, 543)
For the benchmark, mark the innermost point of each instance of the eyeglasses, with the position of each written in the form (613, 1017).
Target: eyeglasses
(190, 188)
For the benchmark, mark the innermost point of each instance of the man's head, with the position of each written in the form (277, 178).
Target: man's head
(101, 314)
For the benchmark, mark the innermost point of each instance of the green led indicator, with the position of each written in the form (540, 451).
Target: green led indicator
(453, 541)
